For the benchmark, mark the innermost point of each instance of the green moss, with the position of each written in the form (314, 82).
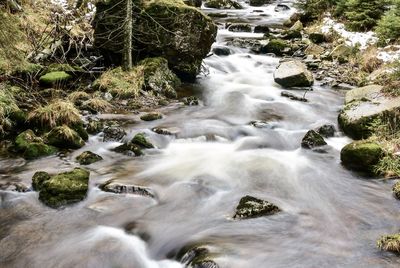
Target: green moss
(38, 179)
(362, 156)
(87, 158)
(389, 243)
(31, 146)
(65, 188)
(223, 4)
(53, 78)
(141, 140)
(151, 116)
(312, 139)
(64, 137)
(276, 46)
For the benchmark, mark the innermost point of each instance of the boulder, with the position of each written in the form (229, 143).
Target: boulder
(64, 137)
(341, 53)
(113, 134)
(239, 27)
(297, 26)
(293, 74)
(38, 179)
(223, 4)
(326, 131)
(141, 140)
(193, 3)
(314, 50)
(54, 78)
(136, 146)
(251, 207)
(162, 28)
(312, 140)
(361, 156)
(87, 158)
(258, 3)
(116, 187)
(365, 108)
(151, 116)
(221, 51)
(262, 29)
(279, 47)
(64, 188)
(31, 146)
(317, 38)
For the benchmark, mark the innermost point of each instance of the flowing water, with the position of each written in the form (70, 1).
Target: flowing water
(331, 217)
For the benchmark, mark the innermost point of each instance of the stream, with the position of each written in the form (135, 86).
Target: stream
(330, 216)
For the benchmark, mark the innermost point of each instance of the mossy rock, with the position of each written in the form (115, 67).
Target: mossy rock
(87, 158)
(151, 116)
(317, 38)
(276, 46)
(342, 53)
(362, 156)
(31, 146)
(251, 207)
(38, 179)
(65, 188)
(312, 140)
(94, 127)
(64, 137)
(129, 149)
(223, 4)
(390, 243)
(396, 190)
(197, 256)
(54, 78)
(141, 140)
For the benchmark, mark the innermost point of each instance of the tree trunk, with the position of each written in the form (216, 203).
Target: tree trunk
(128, 32)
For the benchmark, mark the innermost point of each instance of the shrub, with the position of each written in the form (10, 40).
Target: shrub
(388, 28)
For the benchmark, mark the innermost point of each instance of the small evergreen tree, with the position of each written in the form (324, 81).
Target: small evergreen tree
(314, 9)
(388, 28)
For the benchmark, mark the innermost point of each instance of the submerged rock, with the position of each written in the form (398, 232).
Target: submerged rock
(31, 146)
(151, 116)
(292, 96)
(223, 4)
(251, 207)
(326, 131)
(64, 137)
(64, 188)
(136, 146)
(197, 256)
(113, 134)
(113, 186)
(141, 140)
(293, 74)
(361, 156)
(365, 109)
(170, 29)
(396, 190)
(14, 187)
(390, 243)
(87, 158)
(312, 140)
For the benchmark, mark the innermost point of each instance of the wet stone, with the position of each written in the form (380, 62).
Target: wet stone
(14, 187)
(327, 130)
(151, 116)
(251, 207)
(87, 158)
(312, 140)
(113, 134)
(120, 188)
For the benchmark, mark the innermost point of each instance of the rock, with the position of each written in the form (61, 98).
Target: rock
(197, 256)
(390, 243)
(151, 116)
(293, 74)
(141, 140)
(193, 3)
(38, 179)
(239, 27)
(162, 131)
(258, 3)
(94, 127)
(312, 140)
(262, 29)
(170, 29)
(396, 190)
(365, 107)
(191, 101)
(113, 134)
(14, 187)
(251, 207)
(223, 4)
(31, 146)
(87, 158)
(326, 131)
(292, 96)
(297, 26)
(341, 53)
(129, 149)
(361, 156)
(221, 51)
(54, 78)
(317, 38)
(64, 137)
(65, 188)
(275, 46)
(315, 50)
(281, 7)
(113, 186)
(290, 34)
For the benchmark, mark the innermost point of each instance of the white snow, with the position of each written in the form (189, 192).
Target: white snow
(352, 38)
(389, 53)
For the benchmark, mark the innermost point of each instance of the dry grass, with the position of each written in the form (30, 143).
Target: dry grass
(389, 243)
(97, 105)
(78, 96)
(369, 60)
(57, 113)
(7, 106)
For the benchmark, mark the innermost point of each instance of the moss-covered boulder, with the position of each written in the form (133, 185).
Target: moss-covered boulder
(167, 28)
(64, 137)
(64, 188)
(88, 157)
(141, 140)
(396, 190)
(276, 46)
(223, 4)
(366, 109)
(151, 116)
(31, 146)
(361, 156)
(54, 78)
(312, 140)
(197, 255)
(38, 179)
(389, 243)
(135, 146)
(251, 207)
(293, 73)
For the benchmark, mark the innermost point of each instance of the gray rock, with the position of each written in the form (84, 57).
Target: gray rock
(293, 74)
(251, 207)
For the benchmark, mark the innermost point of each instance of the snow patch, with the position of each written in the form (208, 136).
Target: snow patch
(389, 54)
